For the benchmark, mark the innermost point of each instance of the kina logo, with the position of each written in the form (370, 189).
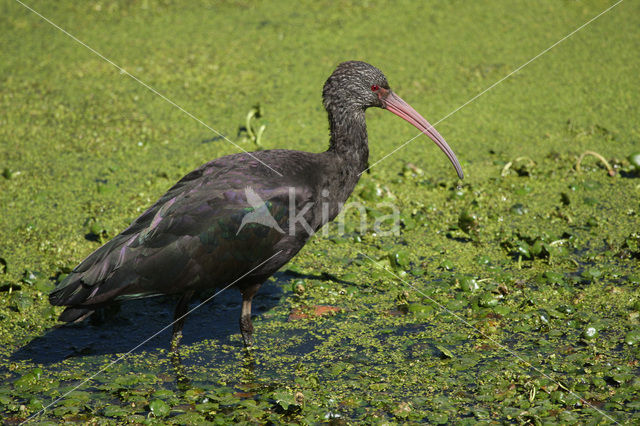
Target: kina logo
(260, 213)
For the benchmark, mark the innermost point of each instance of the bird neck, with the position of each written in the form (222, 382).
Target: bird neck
(349, 138)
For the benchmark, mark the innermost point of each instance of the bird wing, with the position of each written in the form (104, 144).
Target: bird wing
(188, 238)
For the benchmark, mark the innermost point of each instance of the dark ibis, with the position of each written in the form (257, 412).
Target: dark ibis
(237, 219)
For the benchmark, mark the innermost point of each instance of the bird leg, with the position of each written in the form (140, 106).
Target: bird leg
(246, 325)
(179, 318)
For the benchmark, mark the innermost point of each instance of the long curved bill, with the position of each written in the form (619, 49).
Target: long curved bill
(396, 105)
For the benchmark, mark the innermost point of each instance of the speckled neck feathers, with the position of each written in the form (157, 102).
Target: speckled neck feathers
(349, 138)
(346, 95)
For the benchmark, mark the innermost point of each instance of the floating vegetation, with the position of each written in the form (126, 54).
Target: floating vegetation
(512, 297)
(610, 169)
(522, 166)
(251, 133)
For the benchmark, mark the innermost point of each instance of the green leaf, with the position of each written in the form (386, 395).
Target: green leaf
(114, 411)
(284, 399)
(159, 408)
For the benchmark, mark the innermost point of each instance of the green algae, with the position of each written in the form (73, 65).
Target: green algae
(482, 309)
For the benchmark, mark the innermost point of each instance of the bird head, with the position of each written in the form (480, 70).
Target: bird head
(356, 86)
(350, 86)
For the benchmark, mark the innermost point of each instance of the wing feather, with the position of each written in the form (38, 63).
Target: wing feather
(189, 237)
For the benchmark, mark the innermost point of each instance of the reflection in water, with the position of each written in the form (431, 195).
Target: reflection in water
(183, 382)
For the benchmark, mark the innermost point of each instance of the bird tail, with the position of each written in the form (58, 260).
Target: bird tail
(71, 291)
(82, 299)
(75, 314)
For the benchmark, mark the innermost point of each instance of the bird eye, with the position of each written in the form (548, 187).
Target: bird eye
(375, 88)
